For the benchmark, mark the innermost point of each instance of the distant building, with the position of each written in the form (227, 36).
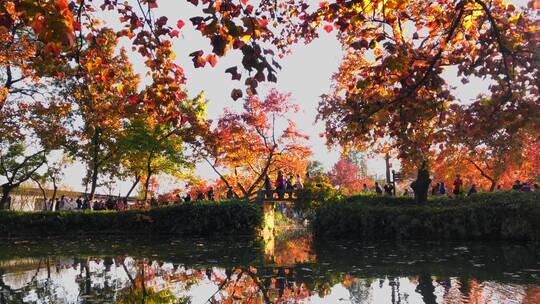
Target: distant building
(31, 199)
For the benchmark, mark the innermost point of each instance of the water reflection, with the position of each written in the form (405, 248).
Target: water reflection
(342, 272)
(284, 266)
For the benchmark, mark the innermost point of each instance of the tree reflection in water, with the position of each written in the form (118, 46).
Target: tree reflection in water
(119, 279)
(287, 267)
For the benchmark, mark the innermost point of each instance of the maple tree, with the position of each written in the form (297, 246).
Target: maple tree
(100, 86)
(151, 145)
(391, 91)
(150, 149)
(489, 168)
(346, 176)
(245, 147)
(31, 119)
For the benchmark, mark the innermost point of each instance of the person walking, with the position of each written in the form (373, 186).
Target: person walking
(268, 187)
(280, 185)
(388, 189)
(458, 183)
(298, 185)
(210, 194)
(365, 188)
(435, 189)
(442, 189)
(378, 189)
(525, 187)
(472, 190)
(289, 187)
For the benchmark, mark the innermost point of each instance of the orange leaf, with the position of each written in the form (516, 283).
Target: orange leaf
(211, 59)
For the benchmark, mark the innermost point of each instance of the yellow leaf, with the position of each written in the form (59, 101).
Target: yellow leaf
(246, 38)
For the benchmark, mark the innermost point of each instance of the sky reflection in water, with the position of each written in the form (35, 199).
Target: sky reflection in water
(286, 266)
(296, 270)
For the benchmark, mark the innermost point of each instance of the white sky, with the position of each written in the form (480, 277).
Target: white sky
(306, 74)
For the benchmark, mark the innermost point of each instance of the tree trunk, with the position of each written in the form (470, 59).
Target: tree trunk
(492, 185)
(493, 181)
(53, 197)
(223, 179)
(95, 166)
(148, 175)
(387, 164)
(6, 190)
(262, 175)
(421, 185)
(137, 179)
(147, 184)
(42, 191)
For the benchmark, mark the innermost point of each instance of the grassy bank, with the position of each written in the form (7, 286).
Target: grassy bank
(187, 219)
(486, 216)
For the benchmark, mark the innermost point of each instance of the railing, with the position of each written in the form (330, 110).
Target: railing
(276, 196)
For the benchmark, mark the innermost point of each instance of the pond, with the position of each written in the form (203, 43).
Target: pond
(286, 267)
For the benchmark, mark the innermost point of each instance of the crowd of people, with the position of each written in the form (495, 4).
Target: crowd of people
(84, 203)
(282, 187)
(458, 188)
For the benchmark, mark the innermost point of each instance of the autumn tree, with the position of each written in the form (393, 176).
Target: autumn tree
(391, 89)
(487, 167)
(151, 149)
(391, 83)
(28, 110)
(245, 147)
(347, 176)
(99, 86)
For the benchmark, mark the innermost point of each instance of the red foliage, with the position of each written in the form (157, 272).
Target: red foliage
(345, 176)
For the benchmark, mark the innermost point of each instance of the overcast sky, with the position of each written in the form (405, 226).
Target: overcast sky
(306, 74)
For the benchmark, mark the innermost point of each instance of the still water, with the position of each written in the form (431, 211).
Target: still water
(286, 267)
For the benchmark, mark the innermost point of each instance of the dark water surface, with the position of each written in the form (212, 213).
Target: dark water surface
(285, 265)
(286, 269)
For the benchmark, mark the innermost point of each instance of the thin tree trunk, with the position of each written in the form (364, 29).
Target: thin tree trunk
(492, 185)
(148, 175)
(42, 192)
(135, 183)
(147, 184)
(95, 165)
(6, 190)
(263, 173)
(53, 198)
(220, 175)
(493, 181)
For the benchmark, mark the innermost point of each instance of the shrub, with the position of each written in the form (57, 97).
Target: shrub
(201, 218)
(508, 216)
(317, 191)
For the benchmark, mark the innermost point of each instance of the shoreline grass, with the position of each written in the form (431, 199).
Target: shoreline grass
(201, 218)
(484, 216)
